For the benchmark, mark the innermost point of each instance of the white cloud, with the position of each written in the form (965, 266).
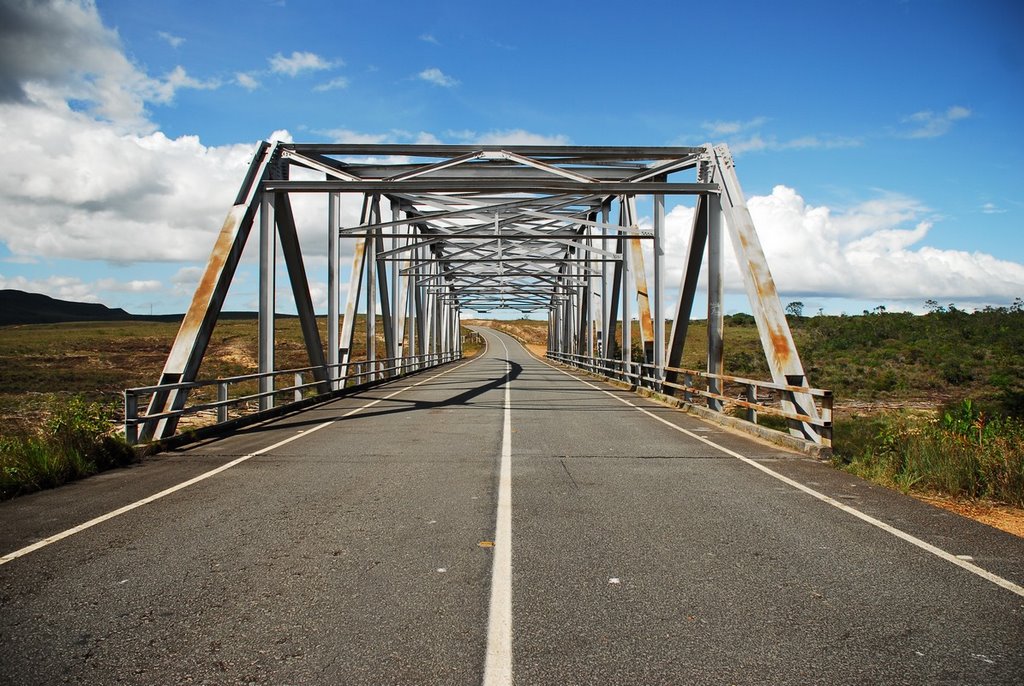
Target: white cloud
(133, 286)
(247, 81)
(170, 39)
(511, 137)
(992, 208)
(928, 124)
(349, 136)
(55, 52)
(75, 289)
(185, 280)
(873, 251)
(299, 62)
(429, 38)
(747, 136)
(336, 83)
(163, 91)
(728, 128)
(83, 190)
(437, 77)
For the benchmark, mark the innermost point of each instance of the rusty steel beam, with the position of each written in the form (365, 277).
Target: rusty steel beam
(776, 338)
(643, 299)
(193, 337)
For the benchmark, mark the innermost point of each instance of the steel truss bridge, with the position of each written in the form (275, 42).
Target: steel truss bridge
(447, 229)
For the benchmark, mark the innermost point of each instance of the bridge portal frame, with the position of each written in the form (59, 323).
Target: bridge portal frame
(448, 228)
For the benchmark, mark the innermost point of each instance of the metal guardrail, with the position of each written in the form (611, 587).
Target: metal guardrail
(751, 397)
(348, 374)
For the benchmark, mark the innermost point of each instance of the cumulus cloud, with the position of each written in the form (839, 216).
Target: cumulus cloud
(299, 62)
(75, 289)
(928, 124)
(171, 39)
(874, 250)
(437, 77)
(59, 51)
(429, 38)
(163, 90)
(83, 190)
(991, 208)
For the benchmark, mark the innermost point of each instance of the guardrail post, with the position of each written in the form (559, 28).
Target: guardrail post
(688, 383)
(298, 387)
(131, 415)
(222, 399)
(752, 398)
(826, 419)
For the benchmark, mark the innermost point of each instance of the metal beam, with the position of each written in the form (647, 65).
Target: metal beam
(776, 338)
(193, 337)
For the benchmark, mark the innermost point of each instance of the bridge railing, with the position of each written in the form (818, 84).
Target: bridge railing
(719, 392)
(238, 395)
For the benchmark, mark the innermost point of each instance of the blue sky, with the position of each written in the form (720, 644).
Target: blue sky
(879, 143)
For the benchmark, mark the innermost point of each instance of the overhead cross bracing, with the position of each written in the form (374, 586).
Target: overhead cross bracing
(447, 229)
(504, 222)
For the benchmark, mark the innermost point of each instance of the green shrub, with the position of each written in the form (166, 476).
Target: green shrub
(75, 441)
(962, 453)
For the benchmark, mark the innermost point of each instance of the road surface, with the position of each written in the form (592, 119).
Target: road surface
(493, 521)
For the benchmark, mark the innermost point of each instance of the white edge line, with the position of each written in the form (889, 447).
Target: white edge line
(206, 475)
(498, 662)
(898, 533)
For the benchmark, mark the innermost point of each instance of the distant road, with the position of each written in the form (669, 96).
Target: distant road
(500, 515)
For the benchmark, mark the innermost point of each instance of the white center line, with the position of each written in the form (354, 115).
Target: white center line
(498, 664)
(206, 475)
(898, 533)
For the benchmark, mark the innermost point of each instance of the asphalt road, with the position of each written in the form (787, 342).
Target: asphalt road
(643, 547)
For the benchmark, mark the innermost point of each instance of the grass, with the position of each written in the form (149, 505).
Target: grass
(61, 387)
(78, 438)
(874, 360)
(945, 359)
(962, 453)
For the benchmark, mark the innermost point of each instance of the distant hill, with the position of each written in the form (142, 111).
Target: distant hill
(19, 307)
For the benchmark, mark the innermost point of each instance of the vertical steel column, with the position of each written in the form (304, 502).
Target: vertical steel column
(415, 340)
(371, 288)
(627, 319)
(268, 268)
(659, 284)
(396, 314)
(591, 295)
(607, 335)
(716, 321)
(333, 286)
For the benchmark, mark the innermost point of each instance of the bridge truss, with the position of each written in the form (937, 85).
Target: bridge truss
(447, 229)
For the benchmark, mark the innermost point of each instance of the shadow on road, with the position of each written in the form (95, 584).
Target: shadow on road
(461, 399)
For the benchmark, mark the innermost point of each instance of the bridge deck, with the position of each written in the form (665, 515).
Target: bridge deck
(640, 554)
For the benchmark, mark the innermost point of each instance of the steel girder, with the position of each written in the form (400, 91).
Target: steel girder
(469, 227)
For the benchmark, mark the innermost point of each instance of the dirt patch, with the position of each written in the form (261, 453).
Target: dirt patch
(1004, 517)
(236, 354)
